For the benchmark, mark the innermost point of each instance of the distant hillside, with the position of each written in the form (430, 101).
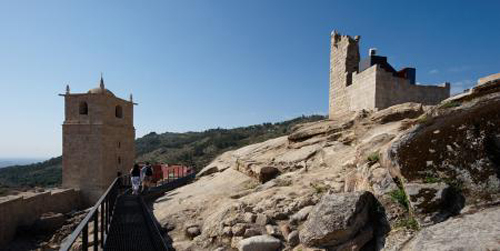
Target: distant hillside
(13, 162)
(195, 149)
(47, 174)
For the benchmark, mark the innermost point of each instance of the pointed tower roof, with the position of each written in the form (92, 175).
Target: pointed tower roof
(101, 89)
(101, 82)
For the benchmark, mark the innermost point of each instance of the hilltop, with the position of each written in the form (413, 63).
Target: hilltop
(194, 149)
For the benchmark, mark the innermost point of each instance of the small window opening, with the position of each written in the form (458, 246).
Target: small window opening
(118, 112)
(84, 109)
(119, 160)
(119, 144)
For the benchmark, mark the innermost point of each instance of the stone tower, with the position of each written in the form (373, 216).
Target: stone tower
(344, 61)
(98, 140)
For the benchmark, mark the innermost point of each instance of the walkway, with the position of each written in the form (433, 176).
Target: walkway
(132, 228)
(132, 225)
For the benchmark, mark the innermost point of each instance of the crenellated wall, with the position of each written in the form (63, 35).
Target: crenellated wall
(24, 210)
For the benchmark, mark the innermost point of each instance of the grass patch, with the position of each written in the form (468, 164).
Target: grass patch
(424, 119)
(373, 157)
(431, 179)
(450, 104)
(408, 223)
(251, 185)
(455, 184)
(399, 196)
(319, 188)
(283, 182)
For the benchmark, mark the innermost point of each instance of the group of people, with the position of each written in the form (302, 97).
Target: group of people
(140, 175)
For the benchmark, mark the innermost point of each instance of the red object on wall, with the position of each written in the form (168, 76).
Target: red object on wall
(168, 172)
(175, 171)
(157, 173)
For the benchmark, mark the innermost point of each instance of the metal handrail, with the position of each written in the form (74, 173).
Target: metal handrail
(159, 242)
(106, 203)
(105, 208)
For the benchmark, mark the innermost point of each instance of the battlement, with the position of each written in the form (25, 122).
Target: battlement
(336, 38)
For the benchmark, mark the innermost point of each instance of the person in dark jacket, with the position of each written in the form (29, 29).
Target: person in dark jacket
(147, 176)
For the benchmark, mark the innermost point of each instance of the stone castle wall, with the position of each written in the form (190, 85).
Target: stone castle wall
(362, 91)
(373, 88)
(391, 90)
(25, 210)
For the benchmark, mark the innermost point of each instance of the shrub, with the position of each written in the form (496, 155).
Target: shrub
(373, 157)
(424, 119)
(409, 223)
(251, 185)
(431, 179)
(400, 197)
(319, 188)
(450, 104)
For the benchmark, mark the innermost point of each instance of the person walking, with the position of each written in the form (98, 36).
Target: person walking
(147, 176)
(135, 178)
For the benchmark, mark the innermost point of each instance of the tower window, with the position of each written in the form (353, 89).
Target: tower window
(84, 108)
(118, 112)
(119, 160)
(119, 144)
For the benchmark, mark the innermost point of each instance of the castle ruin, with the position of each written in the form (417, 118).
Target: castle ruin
(98, 140)
(372, 83)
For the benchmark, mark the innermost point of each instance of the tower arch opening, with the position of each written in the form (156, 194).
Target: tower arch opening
(118, 112)
(84, 108)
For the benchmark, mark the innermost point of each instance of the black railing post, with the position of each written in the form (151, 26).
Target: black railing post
(102, 225)
(96, 231)
(108, 209)
(85, 237)
(106, 214)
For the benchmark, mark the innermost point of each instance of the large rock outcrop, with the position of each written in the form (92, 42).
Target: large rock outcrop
(270, 186)
(455, 144)
(342, 184)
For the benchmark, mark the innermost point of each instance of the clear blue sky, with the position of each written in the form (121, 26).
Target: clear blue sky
(194, 65)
